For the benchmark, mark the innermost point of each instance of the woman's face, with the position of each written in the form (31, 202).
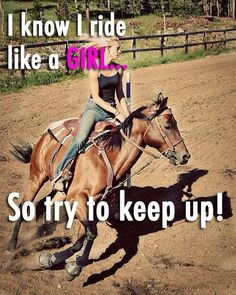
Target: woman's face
(114, 50)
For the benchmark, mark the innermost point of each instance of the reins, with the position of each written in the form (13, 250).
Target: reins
(137, 146)
(109, 190)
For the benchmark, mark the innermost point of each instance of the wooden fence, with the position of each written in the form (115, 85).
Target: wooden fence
(162, 47)
(185, 45)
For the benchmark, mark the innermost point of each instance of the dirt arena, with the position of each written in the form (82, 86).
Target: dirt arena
(137, 258)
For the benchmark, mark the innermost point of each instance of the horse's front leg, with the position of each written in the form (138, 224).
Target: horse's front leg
(87, 234)
(47, 259)
(74, 268)
(84, 243)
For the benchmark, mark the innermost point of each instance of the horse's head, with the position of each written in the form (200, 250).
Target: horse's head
(162, 132)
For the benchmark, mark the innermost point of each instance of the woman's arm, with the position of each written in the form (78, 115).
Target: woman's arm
(120, 94)
(94, 87)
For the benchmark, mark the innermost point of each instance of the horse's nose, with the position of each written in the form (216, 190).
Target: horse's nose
(185, 158)
(187, 155)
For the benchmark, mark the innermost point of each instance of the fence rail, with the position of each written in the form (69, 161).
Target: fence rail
(134, 49)
(185, 45)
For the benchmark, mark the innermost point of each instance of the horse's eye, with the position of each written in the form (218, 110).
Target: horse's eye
(167, 125)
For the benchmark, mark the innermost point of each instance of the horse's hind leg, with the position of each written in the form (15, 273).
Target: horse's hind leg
(34, 184)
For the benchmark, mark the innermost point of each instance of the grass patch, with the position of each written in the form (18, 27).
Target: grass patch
(15, 83)
(154, 58)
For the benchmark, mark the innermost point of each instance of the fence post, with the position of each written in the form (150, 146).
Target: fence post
(133, 47)
(67, 68)
(22, 71)
(225, 38)
(204, 41)
(23, 74)
(162, 45)
(128, 99)
(186, 44)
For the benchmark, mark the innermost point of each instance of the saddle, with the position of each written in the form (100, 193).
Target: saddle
(64, 132)
(61, 129)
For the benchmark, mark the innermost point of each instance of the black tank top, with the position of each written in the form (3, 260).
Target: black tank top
(107, 87)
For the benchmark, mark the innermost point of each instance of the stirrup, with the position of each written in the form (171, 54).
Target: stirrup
(60, 182)
(66, 174)
(59, 185)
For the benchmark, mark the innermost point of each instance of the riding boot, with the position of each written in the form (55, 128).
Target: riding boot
(60, 183)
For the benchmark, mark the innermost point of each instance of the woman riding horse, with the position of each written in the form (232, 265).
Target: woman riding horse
(101, 105)
(153, 125)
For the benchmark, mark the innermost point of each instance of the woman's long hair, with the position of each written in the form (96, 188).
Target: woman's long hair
(99, 42)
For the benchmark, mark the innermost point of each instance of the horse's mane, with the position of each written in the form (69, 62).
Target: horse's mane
(113, 140)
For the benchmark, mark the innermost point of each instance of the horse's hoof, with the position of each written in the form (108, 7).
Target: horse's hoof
(11, 246)
(45, 260)
(72, 270)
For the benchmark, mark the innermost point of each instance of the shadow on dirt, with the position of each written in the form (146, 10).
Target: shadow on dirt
(128, 233)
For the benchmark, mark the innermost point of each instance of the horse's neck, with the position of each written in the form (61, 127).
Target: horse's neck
(129, 154)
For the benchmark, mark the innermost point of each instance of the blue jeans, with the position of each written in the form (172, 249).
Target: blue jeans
(92, 114)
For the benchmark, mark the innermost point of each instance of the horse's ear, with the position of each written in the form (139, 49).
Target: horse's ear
(161, 99)
(160, 103)
(163, 102)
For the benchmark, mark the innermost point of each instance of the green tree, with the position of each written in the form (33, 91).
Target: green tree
(67, 10)
(126, 8)
(38, 11)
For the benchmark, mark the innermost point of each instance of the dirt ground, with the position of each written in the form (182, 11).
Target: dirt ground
(137, 258)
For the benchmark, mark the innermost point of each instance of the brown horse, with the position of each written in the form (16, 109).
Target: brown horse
(152, 125)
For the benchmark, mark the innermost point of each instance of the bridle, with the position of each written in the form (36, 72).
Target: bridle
(170, 151)
(171, 146)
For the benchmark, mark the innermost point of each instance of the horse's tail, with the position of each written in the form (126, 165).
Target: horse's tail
(22, 153)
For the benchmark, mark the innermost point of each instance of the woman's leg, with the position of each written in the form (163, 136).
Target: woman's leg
(86, 125)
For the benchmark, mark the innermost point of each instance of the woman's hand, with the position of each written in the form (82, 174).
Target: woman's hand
(120, 117)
